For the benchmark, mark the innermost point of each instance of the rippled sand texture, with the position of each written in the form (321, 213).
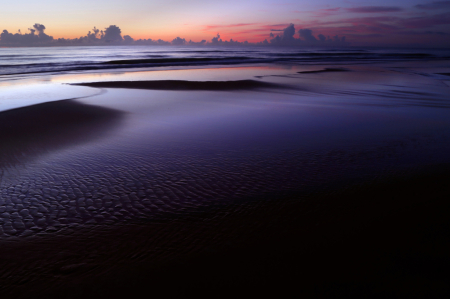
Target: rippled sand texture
(145, 157)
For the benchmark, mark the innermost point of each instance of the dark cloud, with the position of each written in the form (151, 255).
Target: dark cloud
(276, 40)
(374, 9)
(434, 5)
(287, 38)
(112, 34)
(288, 33)
(39, 28)
(151, 42)
(201, 43)
(128, 39)
(94, 35)
(306, 34)
(178, 41)
(306, 38)
(162, 42)
(216, 40)
(27, 39)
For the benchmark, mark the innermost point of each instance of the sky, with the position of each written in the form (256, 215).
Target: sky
(363, 22)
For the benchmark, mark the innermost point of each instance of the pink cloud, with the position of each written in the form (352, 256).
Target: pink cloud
(382, 27)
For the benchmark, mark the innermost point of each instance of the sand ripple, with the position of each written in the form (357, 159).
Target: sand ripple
(81, 187)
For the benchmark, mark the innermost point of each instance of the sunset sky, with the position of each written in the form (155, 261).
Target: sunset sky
(381, 22)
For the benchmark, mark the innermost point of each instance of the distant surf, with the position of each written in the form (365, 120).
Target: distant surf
(14, 61)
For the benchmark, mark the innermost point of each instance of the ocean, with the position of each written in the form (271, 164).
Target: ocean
(36, 60)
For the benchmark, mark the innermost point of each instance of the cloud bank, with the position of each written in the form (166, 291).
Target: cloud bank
(421, 25)
(113, 36)
(306, 38)
(36, 36)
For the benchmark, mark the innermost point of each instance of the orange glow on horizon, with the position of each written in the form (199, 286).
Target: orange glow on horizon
(195, 36)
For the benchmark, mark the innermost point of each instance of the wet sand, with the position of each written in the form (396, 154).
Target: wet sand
(215, 193)
(388, 239)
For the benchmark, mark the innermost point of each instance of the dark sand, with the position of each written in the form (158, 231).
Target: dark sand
(28, 132)
(385, 240)
(325, 70)
(186, 85)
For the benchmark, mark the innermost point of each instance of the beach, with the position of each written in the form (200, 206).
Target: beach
(185, 181)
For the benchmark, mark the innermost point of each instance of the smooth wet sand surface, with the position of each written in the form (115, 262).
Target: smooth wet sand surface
(204, 192)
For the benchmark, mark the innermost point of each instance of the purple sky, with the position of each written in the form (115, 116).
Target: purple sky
(364, 22)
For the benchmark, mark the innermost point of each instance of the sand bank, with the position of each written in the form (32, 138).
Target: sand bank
(325, 70)
(186, 85)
